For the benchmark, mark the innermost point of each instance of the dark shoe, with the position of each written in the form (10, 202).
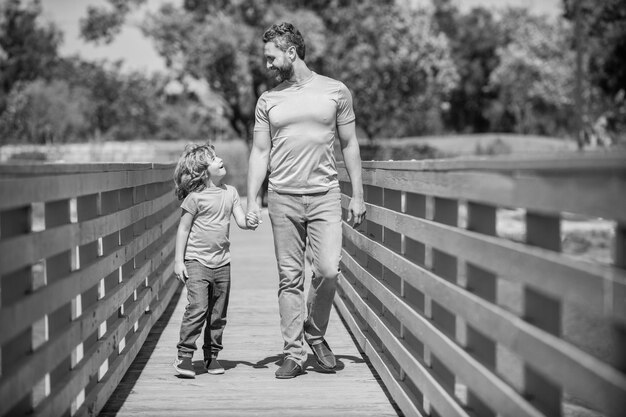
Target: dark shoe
(213, 366)
(289, 369)
(323, 354)
(184, 367)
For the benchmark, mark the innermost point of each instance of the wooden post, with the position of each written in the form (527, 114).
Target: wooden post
(482, 219)
(13, 287)
(57, 268)
(544, 312)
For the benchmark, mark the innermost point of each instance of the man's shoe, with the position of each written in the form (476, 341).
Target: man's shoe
(184, 367)
(323, 354)
(213, 366)
(289, 369)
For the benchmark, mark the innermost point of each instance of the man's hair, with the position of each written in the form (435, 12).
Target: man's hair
(285, 35)
(192, 169)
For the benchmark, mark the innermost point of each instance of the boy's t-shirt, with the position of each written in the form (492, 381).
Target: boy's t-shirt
(302, 120)
(208, 241)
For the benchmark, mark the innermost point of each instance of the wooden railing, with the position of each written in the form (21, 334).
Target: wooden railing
(458, 317)
(86, 260)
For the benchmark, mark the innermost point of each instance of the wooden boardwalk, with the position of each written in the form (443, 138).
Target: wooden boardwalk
(252, 352)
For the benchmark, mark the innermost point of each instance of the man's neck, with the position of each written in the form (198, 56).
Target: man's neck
(301, 72)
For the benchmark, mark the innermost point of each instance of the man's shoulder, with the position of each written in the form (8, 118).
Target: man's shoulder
(324, 79)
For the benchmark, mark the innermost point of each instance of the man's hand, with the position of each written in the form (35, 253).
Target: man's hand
(252, 220)
(253, 217)
(180, 271)
(356, 211)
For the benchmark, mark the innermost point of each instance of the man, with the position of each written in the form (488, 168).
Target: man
(296, 124)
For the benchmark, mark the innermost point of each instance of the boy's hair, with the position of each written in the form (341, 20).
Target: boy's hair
(285, 35)
(192, 169)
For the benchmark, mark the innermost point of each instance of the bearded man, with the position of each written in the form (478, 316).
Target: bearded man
(296, 124)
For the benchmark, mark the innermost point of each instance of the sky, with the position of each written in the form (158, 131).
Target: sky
(130, 45)
(138, 52)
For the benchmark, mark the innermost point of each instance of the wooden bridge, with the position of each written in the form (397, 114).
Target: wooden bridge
(460, 296)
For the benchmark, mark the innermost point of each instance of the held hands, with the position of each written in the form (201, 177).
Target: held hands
(253, 220)
(180, 271)
(356, 211)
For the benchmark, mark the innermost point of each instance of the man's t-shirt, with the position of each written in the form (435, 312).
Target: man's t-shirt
(302, 120)
(208, 240)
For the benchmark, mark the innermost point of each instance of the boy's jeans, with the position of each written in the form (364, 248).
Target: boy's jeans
(208, 289)
(295, 218)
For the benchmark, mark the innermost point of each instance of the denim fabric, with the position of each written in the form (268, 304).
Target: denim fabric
(208, 289)
(295, 219)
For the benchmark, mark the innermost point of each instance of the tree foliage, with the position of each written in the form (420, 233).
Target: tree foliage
(27, 48)
(399, 70)
(394, 67)
(534, 77)
(46, 112)
(474, 38)
(603, 46)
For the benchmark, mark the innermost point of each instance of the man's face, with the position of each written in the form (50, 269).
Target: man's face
(277, 62)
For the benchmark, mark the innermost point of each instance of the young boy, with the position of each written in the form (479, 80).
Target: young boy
(202, 259)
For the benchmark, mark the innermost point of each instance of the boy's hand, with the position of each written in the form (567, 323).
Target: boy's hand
(181, 272)
(252, 220)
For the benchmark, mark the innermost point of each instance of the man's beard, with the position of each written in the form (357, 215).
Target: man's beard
(284, 73)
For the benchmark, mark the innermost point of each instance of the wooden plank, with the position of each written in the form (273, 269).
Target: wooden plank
(23, 250)
(561, 161)
(56, 168)
(592, 194)
(17, 192)
(578, 372)
(404, 401)
(497, 394)
(570, 280)
(16, 384)
(20, 315)
(442, 401)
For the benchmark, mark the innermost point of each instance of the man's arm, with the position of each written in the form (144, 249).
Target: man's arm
(352, 158)
(257, 168)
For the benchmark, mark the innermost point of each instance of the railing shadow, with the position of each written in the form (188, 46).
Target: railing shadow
(127, 384)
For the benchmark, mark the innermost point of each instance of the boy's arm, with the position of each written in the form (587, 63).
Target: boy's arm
(240, 218)
(352, 158)
(182, 234)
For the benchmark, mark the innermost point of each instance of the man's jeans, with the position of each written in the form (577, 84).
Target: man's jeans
(208, 290)
(295, 218)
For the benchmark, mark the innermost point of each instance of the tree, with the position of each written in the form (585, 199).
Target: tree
(375, 50)
(27, 49)
(399, 70)
(603, 27)
(474, 38)
(534, 77)
(46, 112)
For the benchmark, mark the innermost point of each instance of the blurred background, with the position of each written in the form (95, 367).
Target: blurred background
(113, 80)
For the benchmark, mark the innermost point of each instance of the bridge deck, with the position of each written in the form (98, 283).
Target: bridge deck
(252, 352)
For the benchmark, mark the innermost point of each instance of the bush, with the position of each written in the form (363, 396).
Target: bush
(28, 156)
(495, 147)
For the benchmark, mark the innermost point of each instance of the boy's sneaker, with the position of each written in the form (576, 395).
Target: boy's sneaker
(184, 367)
(213, 366)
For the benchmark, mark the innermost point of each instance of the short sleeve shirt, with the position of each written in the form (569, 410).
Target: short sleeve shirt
(302, 120)
(208, 240)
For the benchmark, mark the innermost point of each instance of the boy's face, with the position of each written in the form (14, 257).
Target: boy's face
(216, 168)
